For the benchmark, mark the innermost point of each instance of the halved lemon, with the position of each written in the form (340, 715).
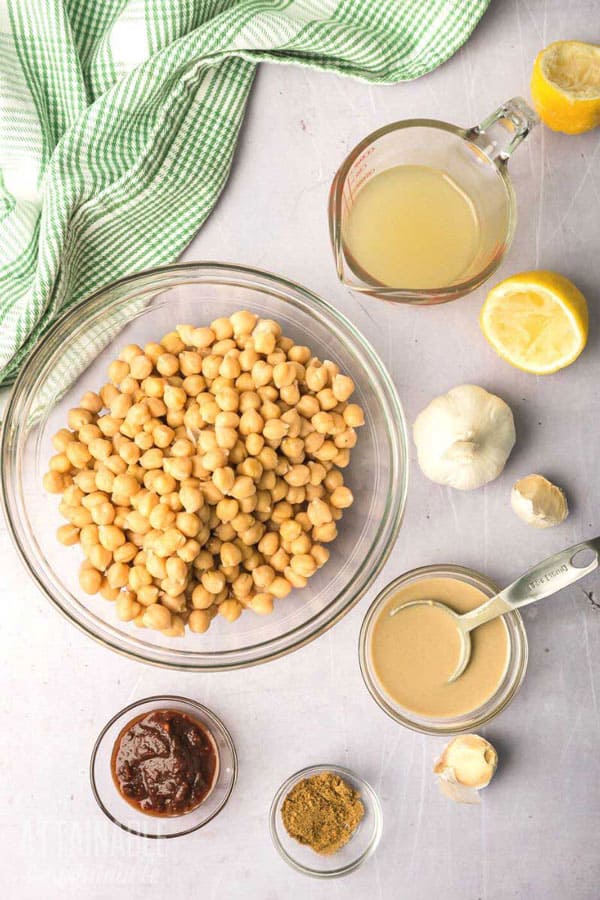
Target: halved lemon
(565, 86)
(537, 321)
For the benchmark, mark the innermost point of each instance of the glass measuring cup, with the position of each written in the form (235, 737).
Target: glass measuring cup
(476, 159)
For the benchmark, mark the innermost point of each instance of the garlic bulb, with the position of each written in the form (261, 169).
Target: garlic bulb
(539, 502)
(464, 437)
(467, 765)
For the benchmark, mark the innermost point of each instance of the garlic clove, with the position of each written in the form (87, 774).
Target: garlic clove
(464, 437)
(538, 502)
(467, 765)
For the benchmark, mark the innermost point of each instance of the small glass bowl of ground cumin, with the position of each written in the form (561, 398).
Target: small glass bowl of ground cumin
(325, 821)
(163, 767)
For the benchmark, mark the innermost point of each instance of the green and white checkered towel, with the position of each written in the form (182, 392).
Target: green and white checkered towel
(119, 119)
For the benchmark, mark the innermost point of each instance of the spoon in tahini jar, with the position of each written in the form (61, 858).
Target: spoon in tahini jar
(543, 580)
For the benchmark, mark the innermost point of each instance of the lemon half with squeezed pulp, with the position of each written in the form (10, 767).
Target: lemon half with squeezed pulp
(565, 86)
(537, 321)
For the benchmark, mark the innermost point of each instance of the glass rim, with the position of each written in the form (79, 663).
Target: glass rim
(415, 296)
(375, 806)
(34, 369)
(215, 722)
(481, 715)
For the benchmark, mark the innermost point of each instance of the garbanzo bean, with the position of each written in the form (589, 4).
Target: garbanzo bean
(68, 535)
(157, 617)
(90, 580)
(199, 621)
(262, 604)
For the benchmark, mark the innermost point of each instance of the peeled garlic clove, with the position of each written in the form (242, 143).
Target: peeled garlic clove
(539, 502)
(467, 765)
(464, 437)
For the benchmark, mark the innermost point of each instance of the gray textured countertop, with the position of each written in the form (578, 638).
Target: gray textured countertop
(535, 834)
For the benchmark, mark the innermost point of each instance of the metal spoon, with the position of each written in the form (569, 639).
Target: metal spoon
(543, 580)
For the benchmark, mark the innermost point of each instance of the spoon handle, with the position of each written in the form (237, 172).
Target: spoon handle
(543, 580)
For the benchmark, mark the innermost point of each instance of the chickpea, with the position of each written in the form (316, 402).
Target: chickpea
(157, 617)
(163, 436)
(325, 533)
(125, 553)
(169, 542)
(191, 498)
(68, 535)
(243, 322)
(222, 328)
(263, 576)
(282, 511)
(318, 512)
(117, 575)
(190, 362)
(174, 398)
(353, 415)
(201, 598)
(275, 430)
(188, 524)
(295, 578)
(298, 476)
(262, 604)
(290, 394)
(88, 535)
(53, 482)
(199, 621)
(164, 483)
(316, 378)
(90, 580)
(213, 580)
(125, 486)
(227, 509)
(107, 592)
(226, 438)
(320, 555)
(78, 454)
(103, 513)
(99, 556)
(230, 610)
(111, 537)
(341, 497)
(152, 459)
(301, 545)
(62, 437)
(202, 338)
(77, 418)
(264, 342)
(280, 587)
(243, 487)
(280, 560)
(284, 374)
(78, 516)
(127, 607)
(231, 555)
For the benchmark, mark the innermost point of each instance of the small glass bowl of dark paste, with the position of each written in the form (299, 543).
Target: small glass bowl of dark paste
(163, 767)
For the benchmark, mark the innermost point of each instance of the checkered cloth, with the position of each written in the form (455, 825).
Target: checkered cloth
(119, 120)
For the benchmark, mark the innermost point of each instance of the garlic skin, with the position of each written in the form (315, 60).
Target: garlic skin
(538, 502)
(464, 437)
(467, 765)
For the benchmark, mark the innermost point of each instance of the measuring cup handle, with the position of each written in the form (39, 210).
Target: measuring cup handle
(515, 117)
(543, 580)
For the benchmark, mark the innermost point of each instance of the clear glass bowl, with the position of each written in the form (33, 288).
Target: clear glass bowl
(353, 854)
(73, 358)
(132, 820)
(508, 687)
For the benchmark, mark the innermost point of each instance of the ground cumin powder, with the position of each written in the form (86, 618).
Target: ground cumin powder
(323, 812)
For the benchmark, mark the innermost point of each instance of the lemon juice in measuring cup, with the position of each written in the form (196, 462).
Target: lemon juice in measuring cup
(423, 211)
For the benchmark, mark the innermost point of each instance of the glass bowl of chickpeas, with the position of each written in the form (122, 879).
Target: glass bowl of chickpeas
(204, 466)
